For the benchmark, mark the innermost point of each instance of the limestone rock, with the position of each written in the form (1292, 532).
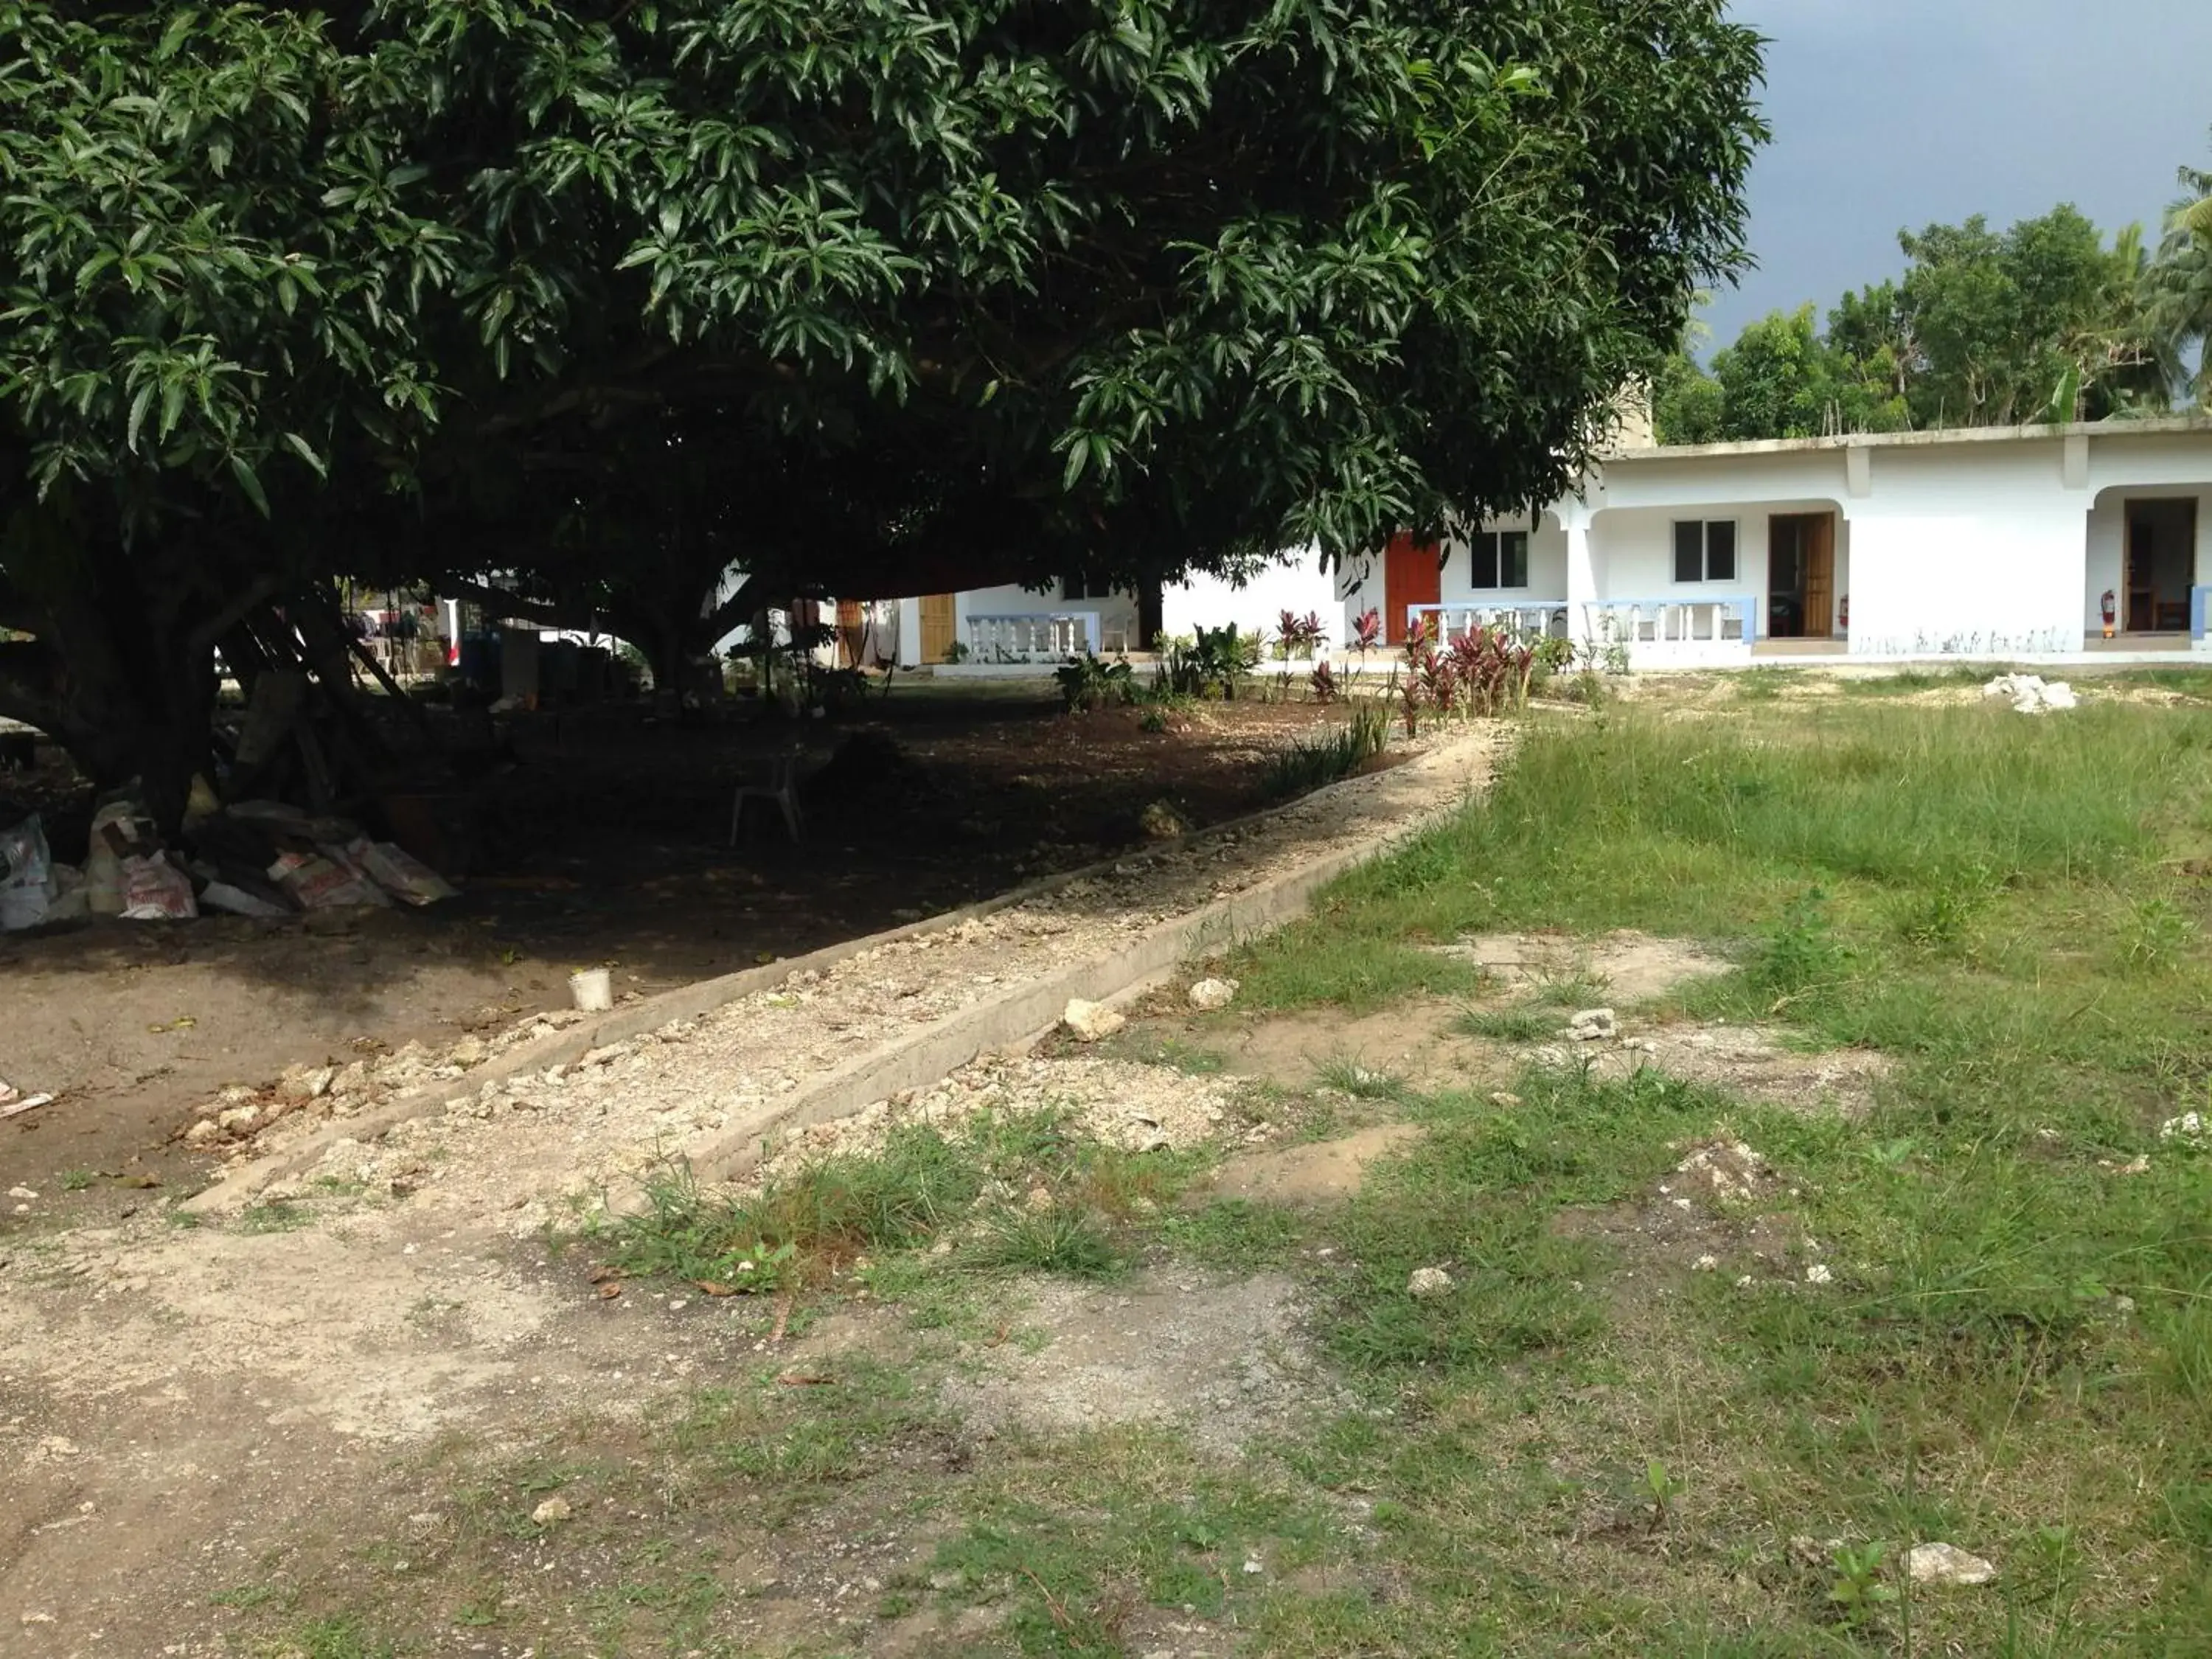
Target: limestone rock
(1428, 1283)
(1593, 1025)
(238, 1118)
(1947, 1564)
(1162, 822)
(1212, 995)
(552, 1511)
(202, 1133)
(1089, 1021)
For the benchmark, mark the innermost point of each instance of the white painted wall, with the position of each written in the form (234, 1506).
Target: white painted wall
(1298, 584)
(1971, 549)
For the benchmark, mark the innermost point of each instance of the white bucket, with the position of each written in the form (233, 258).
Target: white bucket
(593, 990)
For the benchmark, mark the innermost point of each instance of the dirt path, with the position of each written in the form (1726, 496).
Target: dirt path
(178, 1401)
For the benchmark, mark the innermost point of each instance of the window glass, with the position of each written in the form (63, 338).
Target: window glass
(1513, 559)
(1690, 550)
(1484, 550)
(1720, 550)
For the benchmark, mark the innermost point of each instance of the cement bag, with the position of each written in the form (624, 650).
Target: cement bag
(155, 889)
(397, 871)
(316, 883)
(27, 876)
(119, 831)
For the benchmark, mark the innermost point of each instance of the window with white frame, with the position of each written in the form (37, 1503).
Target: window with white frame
(1501, 558)
(1704, 550)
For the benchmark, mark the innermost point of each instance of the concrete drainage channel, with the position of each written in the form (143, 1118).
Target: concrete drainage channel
(1442, 778)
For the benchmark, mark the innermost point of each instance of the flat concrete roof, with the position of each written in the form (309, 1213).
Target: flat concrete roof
(2160, 426)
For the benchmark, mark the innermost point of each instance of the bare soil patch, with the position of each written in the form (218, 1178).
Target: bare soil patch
(1222, 1359)
(1625, 968)
(1414, 1045)
(1313, 1172)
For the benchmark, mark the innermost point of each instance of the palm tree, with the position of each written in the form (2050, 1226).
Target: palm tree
(2177, 288)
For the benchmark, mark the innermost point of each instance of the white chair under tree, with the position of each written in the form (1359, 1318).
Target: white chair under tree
(777, 783)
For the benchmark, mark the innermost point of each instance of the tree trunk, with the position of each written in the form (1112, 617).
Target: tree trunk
(121, 669)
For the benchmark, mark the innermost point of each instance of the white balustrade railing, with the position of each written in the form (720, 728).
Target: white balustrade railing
(1522, 618)
(1719, 628)
(1034, 637)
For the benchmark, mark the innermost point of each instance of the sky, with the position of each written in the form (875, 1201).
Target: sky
(1890, 114)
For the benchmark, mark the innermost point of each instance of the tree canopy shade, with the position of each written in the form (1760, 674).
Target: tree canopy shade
(977, 285)
(1986, 328)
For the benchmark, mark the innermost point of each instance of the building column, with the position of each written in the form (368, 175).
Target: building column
(1581, 569)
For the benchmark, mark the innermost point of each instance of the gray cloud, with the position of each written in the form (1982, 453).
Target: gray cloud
(1893, 113)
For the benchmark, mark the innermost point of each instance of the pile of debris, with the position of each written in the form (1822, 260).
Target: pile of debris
(255, 858)
(2029, 695)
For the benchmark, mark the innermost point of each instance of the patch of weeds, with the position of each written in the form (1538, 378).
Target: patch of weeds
(1171, 1052)
(1308, 963)
(1760, 685)
(1360, 1081)
(247, 1598)
(1320, 758)
(75, 1180)
(1078, 1540)
(281, 1217)
(1236, 1235)
(1906, 681)
(177, 1216)
(799, 1229)
(1058, 1239)
(342, 1635)
(2153, 937)
(1941, 920)
(1568, 991)
(838, 1424)
(1517, 1023)
(1800, 952)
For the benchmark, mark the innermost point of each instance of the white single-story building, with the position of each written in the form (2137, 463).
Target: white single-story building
(2034, 543)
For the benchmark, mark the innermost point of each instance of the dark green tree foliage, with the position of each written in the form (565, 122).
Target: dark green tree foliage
(1985, 329)
(871, 295)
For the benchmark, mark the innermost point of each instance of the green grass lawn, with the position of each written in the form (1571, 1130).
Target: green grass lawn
(2014, 1349)
(1979, 1314)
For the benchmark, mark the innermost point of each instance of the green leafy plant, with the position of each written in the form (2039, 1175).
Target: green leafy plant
(1857, 1592)
(1801, 950)
(1322, 758)
(1661, 1489)
(1088, 684)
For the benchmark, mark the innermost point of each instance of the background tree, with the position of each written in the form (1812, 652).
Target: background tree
(2041, 321)
(2179, 285)
(977, 289)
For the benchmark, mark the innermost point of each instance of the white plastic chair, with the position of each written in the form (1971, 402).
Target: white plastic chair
(781, 786)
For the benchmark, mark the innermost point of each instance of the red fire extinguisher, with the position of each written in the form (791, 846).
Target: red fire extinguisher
(1844, 613)
(2109, 606)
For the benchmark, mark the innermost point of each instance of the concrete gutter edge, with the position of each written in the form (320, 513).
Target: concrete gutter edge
(237, 1188)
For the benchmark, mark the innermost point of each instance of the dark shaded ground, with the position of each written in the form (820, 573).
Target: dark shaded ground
(606, 842)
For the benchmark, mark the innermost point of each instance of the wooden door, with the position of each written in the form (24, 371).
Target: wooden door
(1817, 548)
(936, 627)
(1411, 575)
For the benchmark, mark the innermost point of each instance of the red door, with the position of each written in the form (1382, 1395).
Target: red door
(1411, 575)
